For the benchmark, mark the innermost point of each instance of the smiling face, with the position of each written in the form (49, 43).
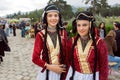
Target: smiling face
(52, 19)
(83, 27)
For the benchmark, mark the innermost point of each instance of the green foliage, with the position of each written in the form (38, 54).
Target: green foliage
(108, 21)
(97, 6)
(69, 29)
(65, 9)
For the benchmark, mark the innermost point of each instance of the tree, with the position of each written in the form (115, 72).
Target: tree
(97, 6)
(80, 9)
(65, 9)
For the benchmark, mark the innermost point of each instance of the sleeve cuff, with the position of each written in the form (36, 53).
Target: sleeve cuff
(44, 68)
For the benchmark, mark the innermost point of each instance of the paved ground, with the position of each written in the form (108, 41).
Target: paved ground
(17, 64)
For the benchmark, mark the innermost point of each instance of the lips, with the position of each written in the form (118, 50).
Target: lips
(53, 22)
(81, 31)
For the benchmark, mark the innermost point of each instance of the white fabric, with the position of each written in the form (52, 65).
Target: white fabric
(52, 75)
(80, 76)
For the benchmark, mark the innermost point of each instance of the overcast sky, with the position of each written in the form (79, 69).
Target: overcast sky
(13, 6)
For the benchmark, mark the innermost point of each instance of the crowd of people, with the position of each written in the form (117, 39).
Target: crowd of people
(85, 56)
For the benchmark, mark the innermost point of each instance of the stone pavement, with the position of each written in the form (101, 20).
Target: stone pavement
(17, 64)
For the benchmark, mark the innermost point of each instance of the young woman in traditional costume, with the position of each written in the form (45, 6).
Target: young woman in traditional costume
(50, 46)
(88, 54)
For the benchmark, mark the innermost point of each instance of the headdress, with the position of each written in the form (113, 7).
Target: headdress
(50, 8)
(83, 16)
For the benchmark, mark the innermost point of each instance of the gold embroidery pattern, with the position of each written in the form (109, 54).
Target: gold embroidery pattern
(82, 56)
(54, 52)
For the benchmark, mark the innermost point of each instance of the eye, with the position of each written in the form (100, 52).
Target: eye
(49, 15)
(56, 15)
(78, 25)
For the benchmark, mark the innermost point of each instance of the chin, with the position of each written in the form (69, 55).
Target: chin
(53, 24)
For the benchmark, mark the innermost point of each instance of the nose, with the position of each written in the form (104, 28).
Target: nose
(81, 27)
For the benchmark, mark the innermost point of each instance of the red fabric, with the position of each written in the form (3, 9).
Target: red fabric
(103, 60)
(38, 48)
(96, 32)
(37, 51)
(102, 65)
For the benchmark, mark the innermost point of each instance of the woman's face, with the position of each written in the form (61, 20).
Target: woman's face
(102, 25)
(52, 19)
(114, 25)
(83, 27)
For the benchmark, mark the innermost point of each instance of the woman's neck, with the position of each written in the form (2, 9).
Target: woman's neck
(51, 29)
(85, 37)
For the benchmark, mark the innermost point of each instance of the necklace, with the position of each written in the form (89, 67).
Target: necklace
(51, 29)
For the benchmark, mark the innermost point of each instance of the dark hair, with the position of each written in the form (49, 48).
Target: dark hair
(85, 16)
(102, 28)
(58, 28)
(44, 16)
(101, 24)
(117, 24)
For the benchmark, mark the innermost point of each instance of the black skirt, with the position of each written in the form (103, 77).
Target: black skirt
(2, 48)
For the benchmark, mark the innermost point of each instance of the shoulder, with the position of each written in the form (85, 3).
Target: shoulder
(101, 43)
(41, 34)
(99, 40)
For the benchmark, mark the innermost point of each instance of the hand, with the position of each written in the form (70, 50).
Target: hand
(56, 68)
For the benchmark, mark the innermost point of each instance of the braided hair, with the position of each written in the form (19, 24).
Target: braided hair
(58, 28)
(84, 16)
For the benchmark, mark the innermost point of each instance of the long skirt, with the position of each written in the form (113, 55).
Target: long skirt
(81, 76)
(2, 48)
(52, 75)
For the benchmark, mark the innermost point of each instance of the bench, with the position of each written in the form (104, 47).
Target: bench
(110, 65)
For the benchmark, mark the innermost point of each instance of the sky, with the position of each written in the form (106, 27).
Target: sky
(13, 6)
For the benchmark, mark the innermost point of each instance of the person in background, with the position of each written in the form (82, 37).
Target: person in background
(117, 37)
(50, 43)
(87, 52)
(27, 30)
(22, 27)
(102, 30)
(3, 39)
(7, 29)
(14, 28)
(112, 48)
(10, 27)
